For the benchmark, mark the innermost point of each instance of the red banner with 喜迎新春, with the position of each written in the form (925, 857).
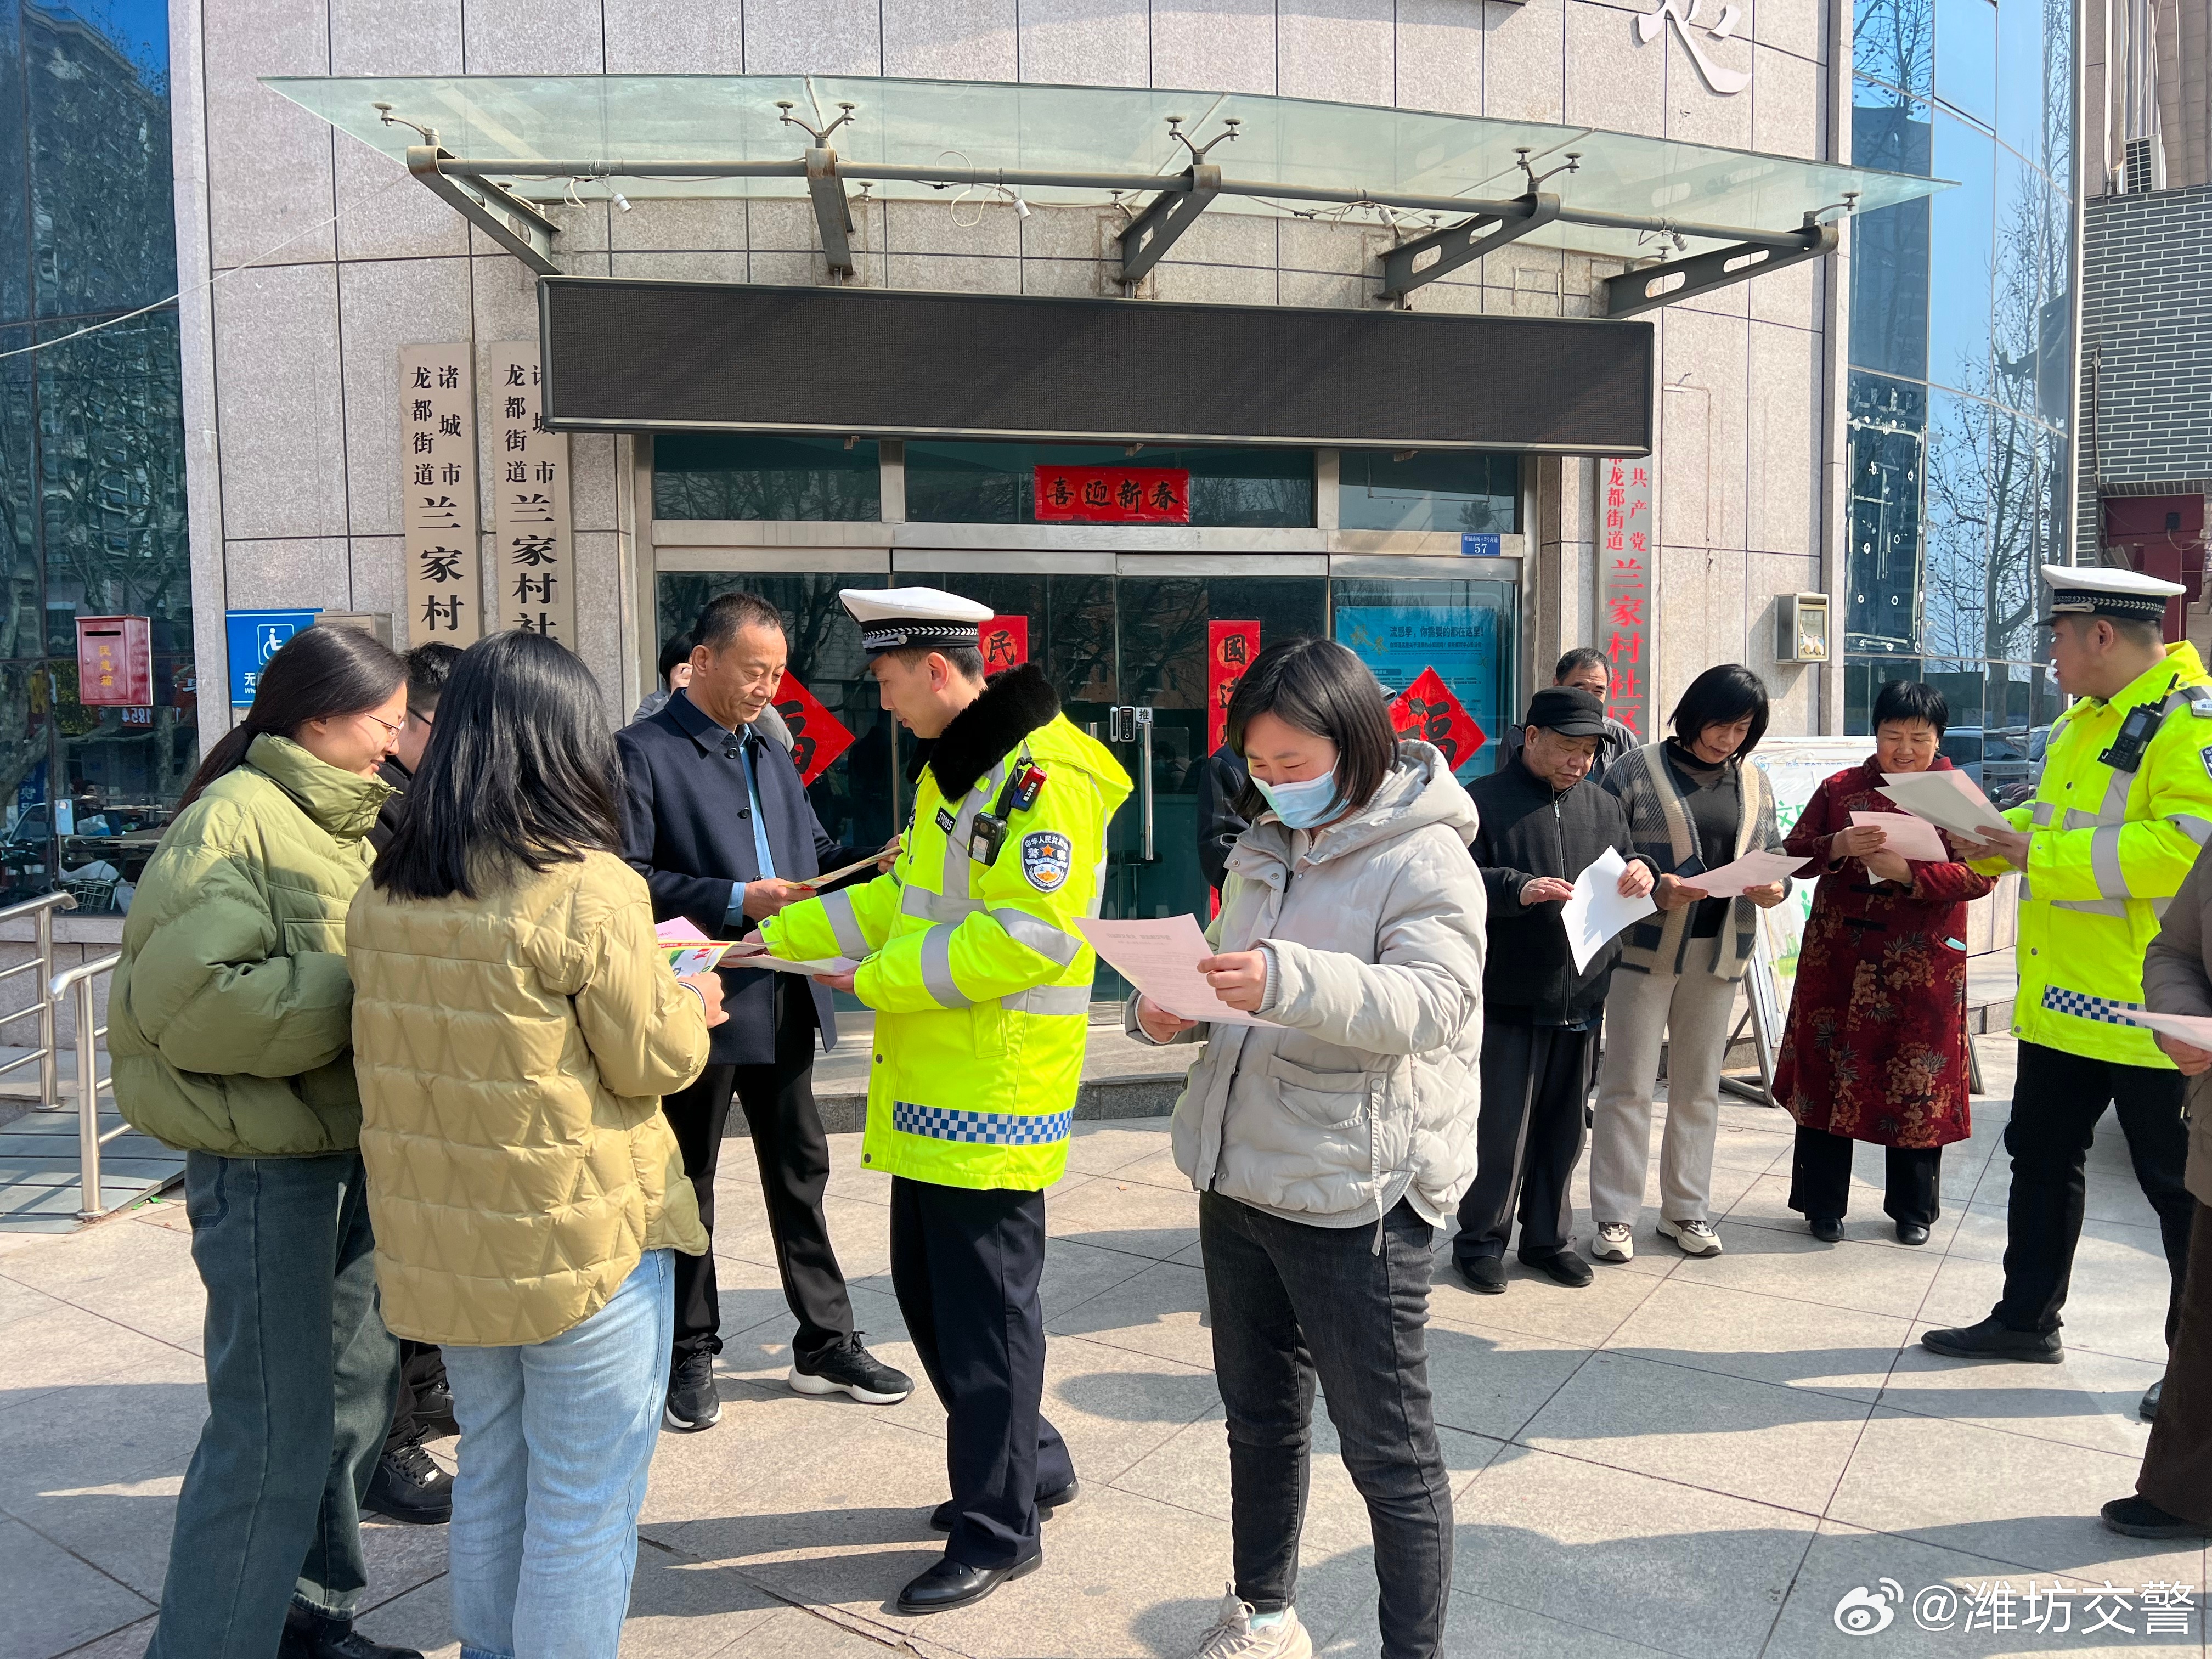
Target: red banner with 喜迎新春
(1004, 641)
(817, 737)
(1229, 648)
(1113, 495)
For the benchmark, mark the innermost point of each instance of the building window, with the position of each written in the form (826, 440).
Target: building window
(1436, 490)
(739, 475)
(1246, 488)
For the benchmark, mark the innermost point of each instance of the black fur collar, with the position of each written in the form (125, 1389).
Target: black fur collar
(1013, 706)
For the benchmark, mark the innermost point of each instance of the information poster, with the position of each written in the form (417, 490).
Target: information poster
(533, 550)
(1398, 643)
(438, 493)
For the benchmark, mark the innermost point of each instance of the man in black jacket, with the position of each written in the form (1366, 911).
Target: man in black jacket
(1543, 824)
(717, 822)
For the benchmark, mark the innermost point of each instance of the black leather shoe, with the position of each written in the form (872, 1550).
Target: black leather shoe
(1912, 1233)
(950, 1584)
(409, 1486)
(1485, 1274)
(311, 1636)
(2138, 1517)
(1562, 1267)
(850, 1368)
(2148, 1409)
(1046, 1502)
(1829, 1230)
(1992, 1340)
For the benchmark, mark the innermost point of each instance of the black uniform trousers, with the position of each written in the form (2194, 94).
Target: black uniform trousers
(1821, 1179)
(1535, 1079)
(966, 1264)
(793, 1155)
(2055, 1108)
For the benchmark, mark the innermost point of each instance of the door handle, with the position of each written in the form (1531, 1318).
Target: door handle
(1132, 723)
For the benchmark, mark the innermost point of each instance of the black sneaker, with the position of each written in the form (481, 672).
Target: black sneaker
(849, 1367)
(409, 1486)
(317, 1636)
(694, 1403)
(1991, 1340)
(2138, 1517)
(1485, 1274)
(433, 1410)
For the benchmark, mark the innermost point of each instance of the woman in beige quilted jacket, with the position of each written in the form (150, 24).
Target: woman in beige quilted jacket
(515, 1025)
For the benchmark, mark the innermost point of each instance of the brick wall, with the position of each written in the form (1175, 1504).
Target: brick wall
(2147, 300)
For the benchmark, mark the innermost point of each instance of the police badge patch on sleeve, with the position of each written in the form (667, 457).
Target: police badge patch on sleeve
(1047, 857)
(2205, 755)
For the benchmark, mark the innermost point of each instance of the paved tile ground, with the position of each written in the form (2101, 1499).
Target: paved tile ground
(1697, 1458)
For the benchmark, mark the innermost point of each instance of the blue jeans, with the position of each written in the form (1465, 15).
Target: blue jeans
(556, 1439)
(300, 1375)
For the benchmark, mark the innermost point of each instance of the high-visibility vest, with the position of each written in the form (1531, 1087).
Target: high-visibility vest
(2108, 848)
(979, 981)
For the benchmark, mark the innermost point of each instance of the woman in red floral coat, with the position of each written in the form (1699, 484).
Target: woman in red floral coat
(1876, 1045)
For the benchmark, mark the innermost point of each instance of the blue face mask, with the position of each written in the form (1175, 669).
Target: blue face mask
(1306, 806)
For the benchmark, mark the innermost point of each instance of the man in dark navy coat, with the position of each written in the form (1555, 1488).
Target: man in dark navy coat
(717, 822)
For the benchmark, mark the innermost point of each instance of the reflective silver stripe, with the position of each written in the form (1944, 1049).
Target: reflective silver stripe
(2197, 830)
(2044, 811)
(1039, 935)
(2115, 810)
(2105, 862)
(935, 907)
(956, 861)
(838, 907)
(2077, 819)
(1049, 999)
(2092, 907)
(936, 969)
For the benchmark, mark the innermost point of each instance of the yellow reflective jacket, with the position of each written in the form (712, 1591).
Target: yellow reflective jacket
(2107, 849)
(979, 981)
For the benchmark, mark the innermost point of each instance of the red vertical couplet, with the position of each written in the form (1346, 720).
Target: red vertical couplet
(1624, 621)
(817, 737)
(1229, 648)
(1005, 643)
(1427, 710)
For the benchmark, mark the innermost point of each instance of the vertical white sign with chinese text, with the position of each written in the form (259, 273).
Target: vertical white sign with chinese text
(1624, 565)
(438, 493)
(533, 552)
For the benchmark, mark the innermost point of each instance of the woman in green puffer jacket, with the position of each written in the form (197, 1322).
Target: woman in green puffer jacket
(231, 1026)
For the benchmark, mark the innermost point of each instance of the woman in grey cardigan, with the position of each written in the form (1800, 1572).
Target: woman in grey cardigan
(1329, 1143)
(1695, 802)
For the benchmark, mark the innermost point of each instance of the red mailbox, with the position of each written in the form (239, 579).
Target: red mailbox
(115, 661)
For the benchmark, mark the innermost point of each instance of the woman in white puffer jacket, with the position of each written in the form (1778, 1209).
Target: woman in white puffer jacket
(1329, 1145)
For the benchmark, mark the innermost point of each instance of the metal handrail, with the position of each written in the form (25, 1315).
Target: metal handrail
(42, 910)
(79, 980)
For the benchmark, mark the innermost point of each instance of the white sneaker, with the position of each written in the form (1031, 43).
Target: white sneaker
(1696, 1237)
(1616, 1242)
(1233, 1638)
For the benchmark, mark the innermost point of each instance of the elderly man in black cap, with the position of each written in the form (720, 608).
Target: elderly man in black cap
(1543, 824)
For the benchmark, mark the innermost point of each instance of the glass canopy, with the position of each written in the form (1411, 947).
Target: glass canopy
(584, 134)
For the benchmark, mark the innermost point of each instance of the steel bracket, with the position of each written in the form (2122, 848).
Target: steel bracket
(1644, 289)
(833, 209)
(505, 217)
(1165, 218)
(1404, 269)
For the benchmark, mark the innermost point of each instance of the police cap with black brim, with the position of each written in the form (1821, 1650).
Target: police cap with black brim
(892, 618)
(2099, 590)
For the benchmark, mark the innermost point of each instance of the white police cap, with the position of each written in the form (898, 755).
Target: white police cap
(890, 617)
(2099, 590)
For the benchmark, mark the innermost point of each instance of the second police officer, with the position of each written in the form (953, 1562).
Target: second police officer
(980, 984)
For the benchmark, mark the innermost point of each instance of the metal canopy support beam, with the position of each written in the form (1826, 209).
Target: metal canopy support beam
(833, 212)
(1441, 253)
(505, 217)
(1650, 287)
(1170, 214)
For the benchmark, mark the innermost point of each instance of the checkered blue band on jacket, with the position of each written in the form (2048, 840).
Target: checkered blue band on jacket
(2105, 1010)
(986, 1128)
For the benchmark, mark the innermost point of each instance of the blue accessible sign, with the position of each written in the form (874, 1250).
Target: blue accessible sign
(254, 636)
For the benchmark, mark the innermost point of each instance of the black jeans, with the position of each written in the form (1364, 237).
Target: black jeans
(1293, 1303)
(966, 1264)
(793, 1155)
(1821, 1179)
(2055, 1108)
(1535, 1081)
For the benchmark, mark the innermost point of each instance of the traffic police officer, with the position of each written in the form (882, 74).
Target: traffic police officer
(2123, 805)
(981, 983)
